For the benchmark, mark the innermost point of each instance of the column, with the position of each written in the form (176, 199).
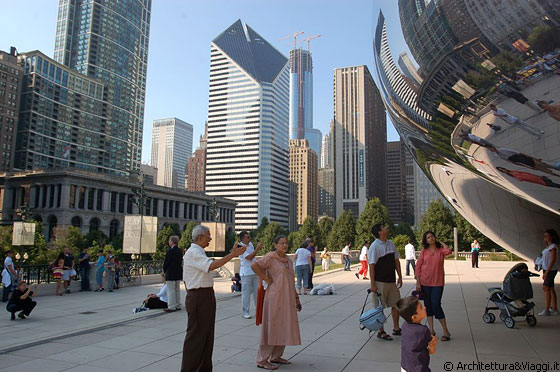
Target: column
(106, 203)
(181, 210)
(32, 197)
(65, 196)
(86, 195)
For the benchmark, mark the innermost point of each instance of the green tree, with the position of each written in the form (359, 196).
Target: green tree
(438, 218)
(400, 241)
(186, 236)
(231, 238)
(325, 227)
(162, 242)
(404, 229)
(73, 240)
(256, 235)
(271, 231)
(174, 227)
(468, 233)
(373, 213)
(5, 240)
(293, 240)
(544, 39)
(309, 229)
(95, 236)
(508, 62)
(342, 232)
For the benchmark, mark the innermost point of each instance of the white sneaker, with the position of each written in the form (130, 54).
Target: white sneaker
(553, 312)
(544, 313)
(247, 316)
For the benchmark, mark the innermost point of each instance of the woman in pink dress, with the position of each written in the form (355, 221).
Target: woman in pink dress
(430, 278)
(280, 325)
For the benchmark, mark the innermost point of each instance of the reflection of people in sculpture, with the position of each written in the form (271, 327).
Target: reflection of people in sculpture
(553, 110)
(529, 177)
(511, 92)
(510, 119)
(521, 159)
(494, 127)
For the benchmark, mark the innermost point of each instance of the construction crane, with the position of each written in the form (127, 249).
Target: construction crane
(294, 36)
(311, 38)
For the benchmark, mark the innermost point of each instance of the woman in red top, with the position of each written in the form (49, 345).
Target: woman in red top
(430, 279)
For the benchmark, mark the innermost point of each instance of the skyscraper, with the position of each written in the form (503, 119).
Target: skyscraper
(326, 192)
(326, 159)
(248, 114)
(424, 194)
(195, 179)
(301, 99)
(303, 172)
(360, 136)
(171, 148)
(409, 70)
(400, 183)
(11, 75)
(108, 40)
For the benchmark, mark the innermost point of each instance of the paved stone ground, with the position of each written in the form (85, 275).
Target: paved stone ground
(329, 329)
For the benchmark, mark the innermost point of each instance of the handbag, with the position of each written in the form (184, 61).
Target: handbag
(260, 304)
(372, 319)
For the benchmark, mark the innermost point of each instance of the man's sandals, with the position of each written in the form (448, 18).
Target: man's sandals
(384, 336)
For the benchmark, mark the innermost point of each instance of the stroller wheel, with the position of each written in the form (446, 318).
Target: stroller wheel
(531, 320)
(510, 323)
(488, 318)
(503, 317)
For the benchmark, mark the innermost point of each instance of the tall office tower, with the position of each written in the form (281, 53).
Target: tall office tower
(195, 178)
(400, 183)
(11, 75)
(247, 154)
(301, 99)
(326, 192)
(303, 172)
(409, 70)
(424, 194)
(108, 40)
(171, 148)
(360, 137)
(426, 31)
(63, 118)
(326, 151)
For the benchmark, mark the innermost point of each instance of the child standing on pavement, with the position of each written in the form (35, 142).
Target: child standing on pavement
(58, 269)
(110, 267)
(417, 341)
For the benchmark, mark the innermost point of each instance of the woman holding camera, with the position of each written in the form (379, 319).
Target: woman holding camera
(280, 325)
(430, 276)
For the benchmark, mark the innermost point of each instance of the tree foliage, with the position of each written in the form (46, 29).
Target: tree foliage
(186, 236)
(438, 218)
(325, 226)
(405, 229)
(343, 231)
(162, 242)
(309, 229)
(468, 233)
(508, 62)
(271, 231)
(400, 241)
(256, 235)
(544, 39)
(373, 213)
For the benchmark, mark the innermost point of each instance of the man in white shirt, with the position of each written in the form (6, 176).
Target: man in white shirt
(249, 280)
(410, 256)
(510, 119)
(9, 276)
(346, 256)
(364, 261)
(200, 302)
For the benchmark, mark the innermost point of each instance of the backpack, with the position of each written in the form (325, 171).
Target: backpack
(372, 319)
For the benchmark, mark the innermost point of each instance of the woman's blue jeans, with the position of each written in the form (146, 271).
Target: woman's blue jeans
(302, 272)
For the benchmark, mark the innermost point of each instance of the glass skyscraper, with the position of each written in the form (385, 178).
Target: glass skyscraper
(247, 153)
(301, 99)
(108, 40)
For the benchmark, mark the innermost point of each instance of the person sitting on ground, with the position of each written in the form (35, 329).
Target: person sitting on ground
(155, 301)
(58, 270)
(236, 286)
(417, 341)
(21, 301)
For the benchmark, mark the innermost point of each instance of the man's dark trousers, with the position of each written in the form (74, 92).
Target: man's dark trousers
(199, 341)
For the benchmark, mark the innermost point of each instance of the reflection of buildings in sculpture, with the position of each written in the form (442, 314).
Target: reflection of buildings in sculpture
(425, 193)
(247, 153)
(509, 218)
(360, 140)
(409, 70)
(450, 68)
(503, 22)
(426, 31)
(400, 183)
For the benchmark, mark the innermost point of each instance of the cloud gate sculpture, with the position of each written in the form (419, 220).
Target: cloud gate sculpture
(477, 133)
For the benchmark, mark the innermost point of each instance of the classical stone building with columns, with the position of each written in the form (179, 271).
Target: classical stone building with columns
(71, 197)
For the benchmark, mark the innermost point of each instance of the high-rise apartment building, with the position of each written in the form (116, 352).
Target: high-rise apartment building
(327, 199)
(11, 75)
(108, 40)
(171, 148)
(426, 31)
(63, 120)
(248, 115)
(326, 151)
(400, 183)
(301, 99)
(303, 172)
(360, 137)
(195, 178)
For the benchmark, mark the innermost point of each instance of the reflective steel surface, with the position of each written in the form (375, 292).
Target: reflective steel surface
(476, 131)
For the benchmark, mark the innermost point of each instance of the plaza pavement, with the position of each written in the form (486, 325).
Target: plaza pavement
(114, 339)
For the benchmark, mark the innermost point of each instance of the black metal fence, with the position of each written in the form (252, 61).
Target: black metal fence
(128, 269)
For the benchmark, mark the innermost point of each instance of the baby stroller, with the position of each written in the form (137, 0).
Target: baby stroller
(512, 298)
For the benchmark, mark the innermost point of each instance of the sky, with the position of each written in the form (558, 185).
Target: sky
(180, 36)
